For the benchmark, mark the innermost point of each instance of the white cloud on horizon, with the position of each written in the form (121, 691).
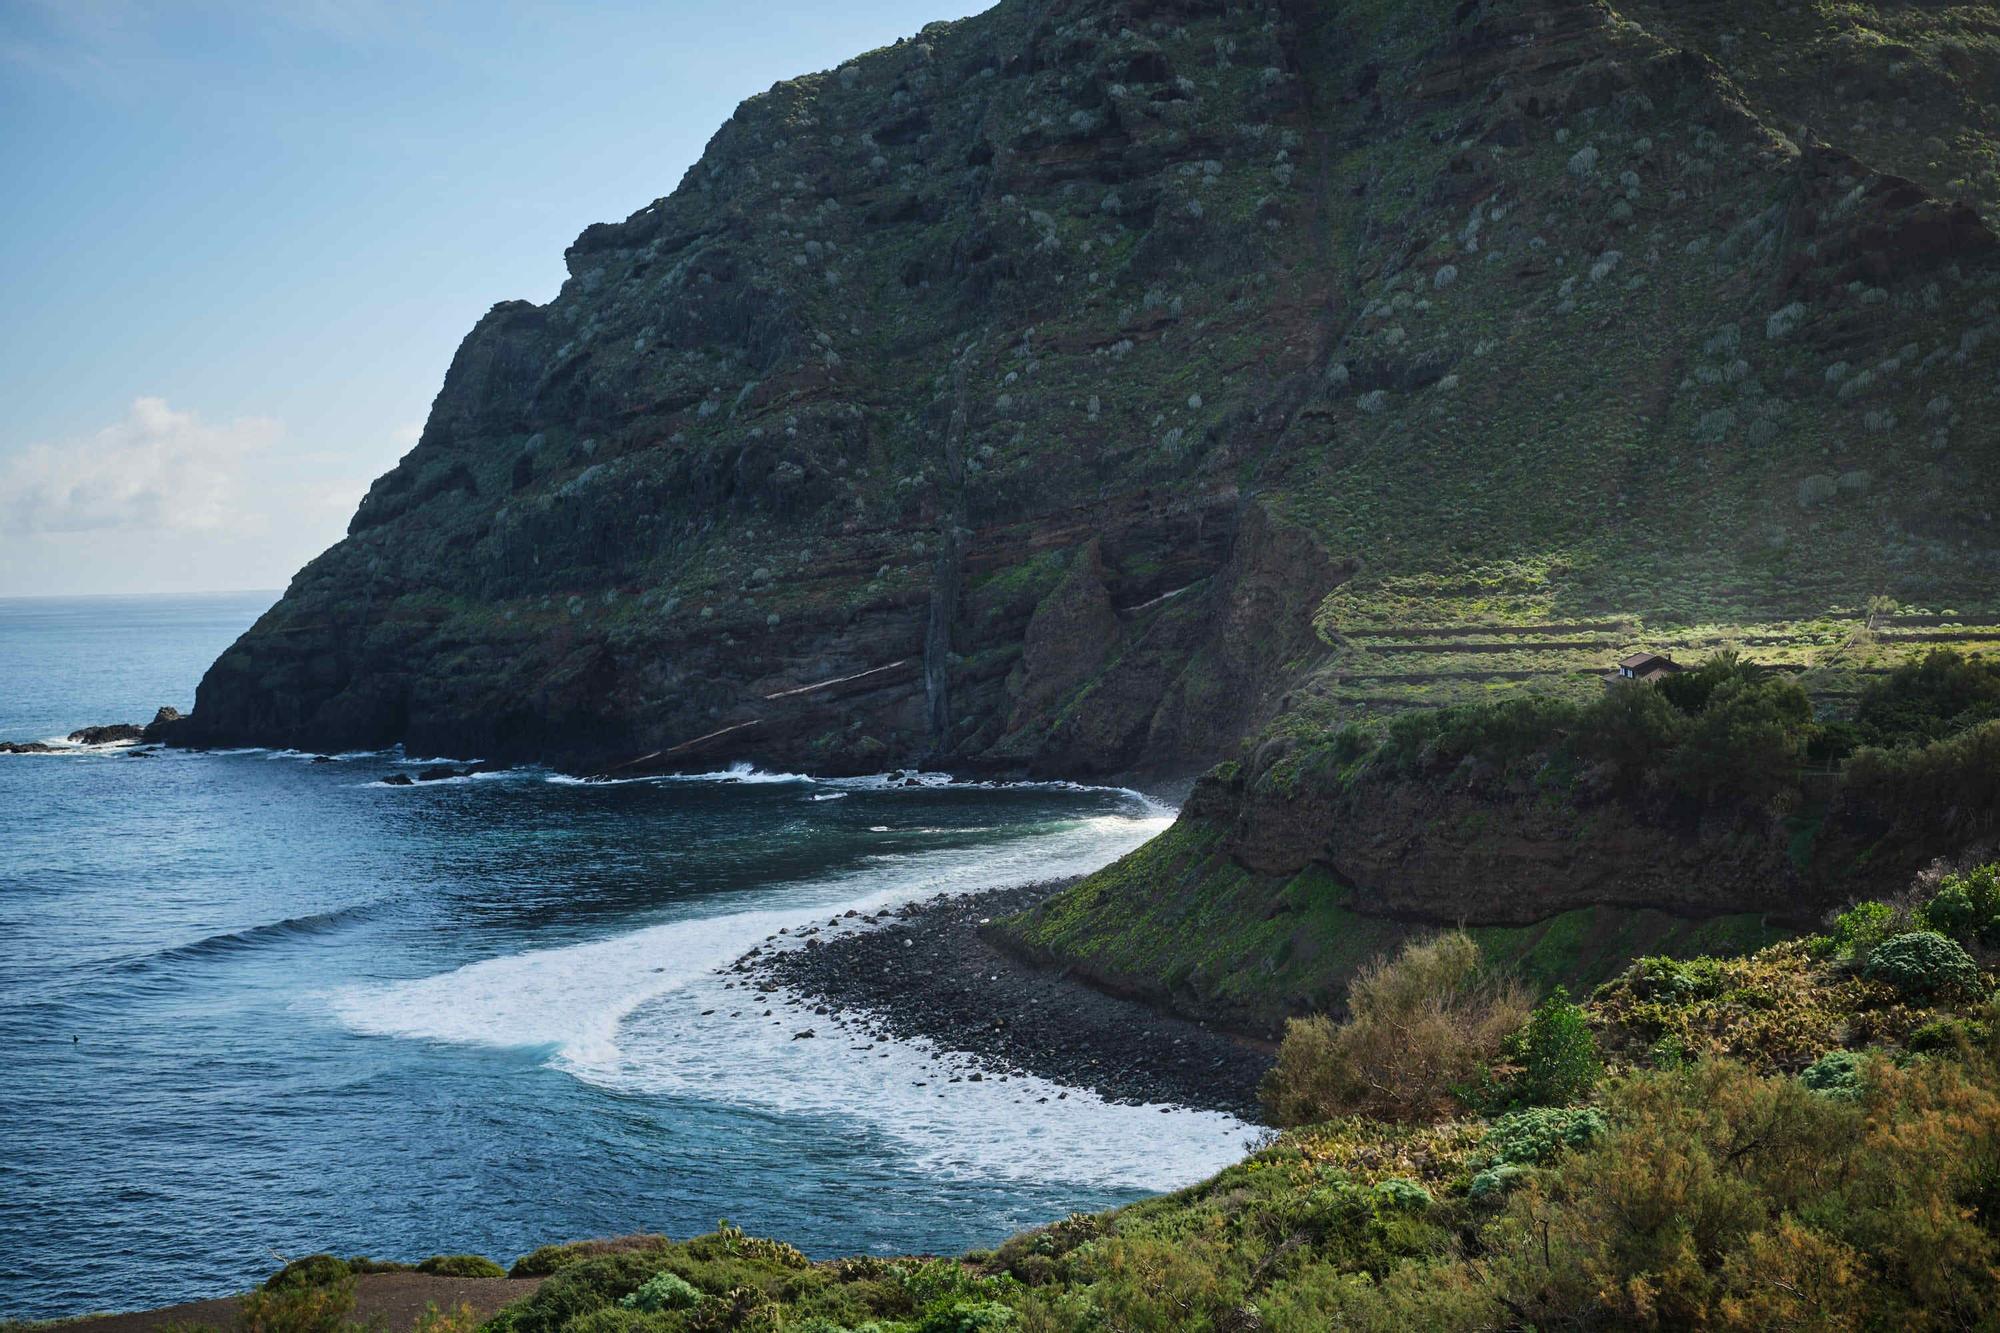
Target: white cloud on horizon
(156, 470)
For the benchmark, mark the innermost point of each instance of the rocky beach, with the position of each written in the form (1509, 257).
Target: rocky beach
(933, 970)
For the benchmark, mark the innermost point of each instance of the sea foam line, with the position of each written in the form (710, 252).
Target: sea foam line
(647, 1012)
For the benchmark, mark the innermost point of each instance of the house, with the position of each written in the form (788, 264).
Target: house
(1647, 668)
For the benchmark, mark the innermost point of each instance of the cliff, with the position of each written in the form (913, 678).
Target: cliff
(1076, 388)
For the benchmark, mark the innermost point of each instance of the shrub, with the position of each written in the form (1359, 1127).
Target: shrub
(1950, 1036)
(580, 1289)
(1966, 907)
(968, 1317)
(1836, 1074)
(663, 1291)
(548, 1259)
(1495, 1181)
(1419, 1026)
(1535, 1137)
(1557, 1053)
(315, 1306)
(1674, 981)
(1923, 963)
(315, 1270)
(1860, 928)
(1723, 1199)
(1396, 1192)
(461, 1265)
(361, 1264)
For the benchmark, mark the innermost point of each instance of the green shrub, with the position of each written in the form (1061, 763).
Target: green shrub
(961, 1316)
(1673, 981)
(1948, 1036)
(361, 1264)
(1536, 1136)
(1557, 1053)
(1836, 1074)
(581, 1288)
(1396, 1192)
(301, 1306)
(461, 1265)
(1856, 931)
(663, 1291)
(315, 1270)
(548, 1259)
(1923, 963)
(1966, 907)
(1495, 1181)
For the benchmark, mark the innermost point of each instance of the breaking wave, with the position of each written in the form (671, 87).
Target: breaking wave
(648, 1012)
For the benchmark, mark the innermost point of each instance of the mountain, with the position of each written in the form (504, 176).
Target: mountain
(1080, 387)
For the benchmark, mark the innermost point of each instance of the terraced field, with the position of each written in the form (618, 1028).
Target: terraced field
(1411, 644)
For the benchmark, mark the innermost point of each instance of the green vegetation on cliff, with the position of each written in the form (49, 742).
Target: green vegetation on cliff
(1568, 835)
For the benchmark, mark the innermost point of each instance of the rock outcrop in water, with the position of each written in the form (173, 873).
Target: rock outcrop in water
(1053, 390)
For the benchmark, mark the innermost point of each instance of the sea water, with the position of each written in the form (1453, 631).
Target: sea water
(256, 1006)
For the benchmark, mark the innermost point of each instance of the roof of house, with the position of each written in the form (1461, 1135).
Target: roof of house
(1641, 659)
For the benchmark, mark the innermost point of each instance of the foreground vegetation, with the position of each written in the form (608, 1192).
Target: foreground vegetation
(1804, 1137)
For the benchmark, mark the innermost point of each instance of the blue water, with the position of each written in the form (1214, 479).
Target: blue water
(253, 1005)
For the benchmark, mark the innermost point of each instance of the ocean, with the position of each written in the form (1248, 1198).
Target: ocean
(256, 1006)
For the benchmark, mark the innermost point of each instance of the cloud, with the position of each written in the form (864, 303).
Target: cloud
(156, 470)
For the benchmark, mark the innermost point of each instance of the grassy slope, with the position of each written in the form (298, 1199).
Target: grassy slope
(1180, 924)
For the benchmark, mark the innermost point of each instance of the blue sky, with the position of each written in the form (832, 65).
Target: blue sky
(243, 237)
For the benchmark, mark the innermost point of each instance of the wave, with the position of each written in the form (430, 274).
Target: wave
(898, 780)
(248, 938)
(648, 1011)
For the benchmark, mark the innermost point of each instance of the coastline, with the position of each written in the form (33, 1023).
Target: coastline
(928, 971)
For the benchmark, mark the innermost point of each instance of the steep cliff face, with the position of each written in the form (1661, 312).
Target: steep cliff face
(1038, 393)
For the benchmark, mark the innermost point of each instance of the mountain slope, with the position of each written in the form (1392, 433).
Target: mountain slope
(1078, 387)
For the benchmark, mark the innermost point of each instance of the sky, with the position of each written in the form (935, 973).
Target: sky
(241, 239)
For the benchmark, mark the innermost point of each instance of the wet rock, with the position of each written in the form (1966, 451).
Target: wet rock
(165, 722)
(399, 780)
(109, 734)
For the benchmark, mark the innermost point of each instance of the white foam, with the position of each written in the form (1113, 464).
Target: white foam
(626, 1013)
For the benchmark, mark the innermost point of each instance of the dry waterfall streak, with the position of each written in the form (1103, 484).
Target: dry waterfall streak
(647, 1012)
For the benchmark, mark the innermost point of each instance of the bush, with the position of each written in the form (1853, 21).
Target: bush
(1419, 1028)
(1535, 1137)
(461, 1265)
(549, 1259)
(1396, 1192)
(663, 1291)
(315, 1270)
(1966, 907)
(1924, 963)
(1948, 1036)
(1672, 981)
(580, 1289)
(1557, 1054)
(1860, 928)
(968, 1317)
(301, 1306)
(1836, 1074)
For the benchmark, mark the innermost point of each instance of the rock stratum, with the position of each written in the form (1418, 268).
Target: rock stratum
(1072, 388)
